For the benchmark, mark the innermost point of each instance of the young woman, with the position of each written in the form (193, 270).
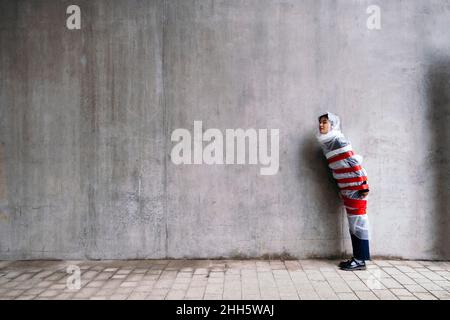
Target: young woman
(352, 181)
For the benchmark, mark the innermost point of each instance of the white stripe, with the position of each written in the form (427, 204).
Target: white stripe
(354, 174)
(338, 151)
(349, 184)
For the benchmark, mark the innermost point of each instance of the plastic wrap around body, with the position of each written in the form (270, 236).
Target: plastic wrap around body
(351, 177)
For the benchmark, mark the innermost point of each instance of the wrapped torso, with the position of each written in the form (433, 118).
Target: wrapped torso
(346, 167)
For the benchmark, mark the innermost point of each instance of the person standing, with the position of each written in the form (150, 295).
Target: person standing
(351, 178)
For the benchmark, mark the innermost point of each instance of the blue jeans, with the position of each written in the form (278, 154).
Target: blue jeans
(360, 248)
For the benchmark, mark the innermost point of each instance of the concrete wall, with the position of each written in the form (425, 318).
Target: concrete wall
(87, 115)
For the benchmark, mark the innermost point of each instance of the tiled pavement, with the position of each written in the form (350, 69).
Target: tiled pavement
(223, 279)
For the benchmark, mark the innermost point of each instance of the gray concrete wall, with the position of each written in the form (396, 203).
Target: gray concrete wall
(87, 115)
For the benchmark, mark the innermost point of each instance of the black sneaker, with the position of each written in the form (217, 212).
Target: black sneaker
(343, 263)
(352, 264)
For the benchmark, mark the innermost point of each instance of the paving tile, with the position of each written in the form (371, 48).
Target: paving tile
(232, 295)
(105, 292)
(163, 283)
(401, 292)
(49, 293)
(308, 295)
(443, 284)
(124, 290)
(25, 297)
(146, 289)
(137, 296)
(435, 267)
(119, 297)
(415, 275)
(408, 298)
(390, 283)
(405, 268)
(129, 284)
(112, 283)
(442, 295)
(64, 296)
(176, 295)
(392, 271)
(34, 291)
(414, 288)
(430, 286)
(289, 297)
(357, 285)
(385, 294)
(227, 279)
(425, 296)
(93, 284)
(123, 271)
(382, 263)
(432, 276)
(347, 296)
(340, 287)
(366, 295)
(135, 277)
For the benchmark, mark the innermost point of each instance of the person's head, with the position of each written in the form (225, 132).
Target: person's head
(329, 128)
(324, 124)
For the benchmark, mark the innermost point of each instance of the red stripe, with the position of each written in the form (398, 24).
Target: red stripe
(355, 203)
(349, 180)
(360, 187)
(360, 211)
(347, 170)
(341, 156)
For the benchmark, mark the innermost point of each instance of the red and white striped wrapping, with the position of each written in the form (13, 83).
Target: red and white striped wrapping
(349, 178)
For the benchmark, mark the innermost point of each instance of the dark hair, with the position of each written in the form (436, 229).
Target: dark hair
(324, 115)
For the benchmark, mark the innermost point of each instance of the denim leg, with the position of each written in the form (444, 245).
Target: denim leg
(360, 248)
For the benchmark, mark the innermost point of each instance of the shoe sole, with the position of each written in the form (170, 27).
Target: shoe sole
(353, 269)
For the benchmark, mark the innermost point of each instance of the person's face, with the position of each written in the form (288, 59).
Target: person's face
(324, 125)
